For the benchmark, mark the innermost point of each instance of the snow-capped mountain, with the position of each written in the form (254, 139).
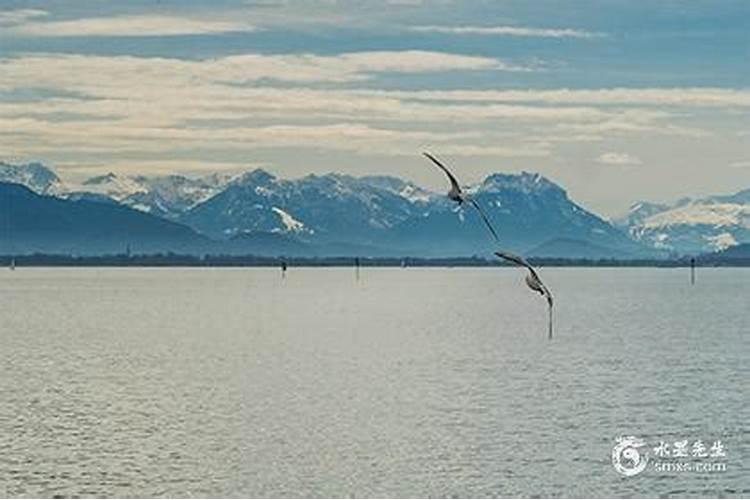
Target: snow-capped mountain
(112, 186)
(167, 196)
(338, 214)
(34, 176)
(386, 214)
(527, 209)
(328, 208)
(692, 226)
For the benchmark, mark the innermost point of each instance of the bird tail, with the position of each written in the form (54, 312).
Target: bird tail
(485, 219)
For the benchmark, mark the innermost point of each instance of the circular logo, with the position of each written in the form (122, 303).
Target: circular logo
(626, 458)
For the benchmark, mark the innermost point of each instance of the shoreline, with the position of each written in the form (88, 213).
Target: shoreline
(226, 261)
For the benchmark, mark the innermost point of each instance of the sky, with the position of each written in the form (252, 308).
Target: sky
(618, 101)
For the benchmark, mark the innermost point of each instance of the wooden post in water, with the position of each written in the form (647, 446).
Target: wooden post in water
(692, 271)
(356, 267)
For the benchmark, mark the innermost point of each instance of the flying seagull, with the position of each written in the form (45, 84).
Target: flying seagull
(533, 281)
(456, 194)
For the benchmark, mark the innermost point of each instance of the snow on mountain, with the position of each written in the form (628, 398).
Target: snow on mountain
(402, 188)
(167, 196)
(34, 176)
(709, 214)
(525, 182)
(527, 210)
(639, 212)
(721, 241)
(290, 223)
(172, 195)
(113, 186)
(693, 226)
(331, 207)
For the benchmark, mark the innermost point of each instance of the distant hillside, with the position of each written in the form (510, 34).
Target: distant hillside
(267, 244)
(574, 249)
(739, 254)
(34, 223)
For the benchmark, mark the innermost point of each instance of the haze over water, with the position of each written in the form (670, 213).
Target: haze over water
(409, 382)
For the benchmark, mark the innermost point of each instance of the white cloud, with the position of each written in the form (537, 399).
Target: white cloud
(507, 31)
(740, 164)
(170, 91)
(155, 106)
(622, 159)
(266, 3)
(703, 97)
(118, 71)
(18, 16)
(130, 26)
(419, 61)
(40, 138)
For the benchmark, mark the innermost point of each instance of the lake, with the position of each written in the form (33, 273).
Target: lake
(409, 382)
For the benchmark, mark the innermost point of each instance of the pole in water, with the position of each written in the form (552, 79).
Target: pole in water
(549, 331)
(356, 267)
(283, 269)
(692, 271)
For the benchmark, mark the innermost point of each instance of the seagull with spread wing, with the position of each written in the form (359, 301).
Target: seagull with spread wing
(457, 194)
(532, 280)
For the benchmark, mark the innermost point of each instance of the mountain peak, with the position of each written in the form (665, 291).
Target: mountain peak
(257, 176)
(34, 175)
(100, 179)
(526, 182)
(690, 225)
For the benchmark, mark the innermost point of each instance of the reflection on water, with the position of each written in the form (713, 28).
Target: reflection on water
(409, 382)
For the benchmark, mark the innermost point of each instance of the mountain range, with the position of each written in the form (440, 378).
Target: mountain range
(334, 214)
(691, 226)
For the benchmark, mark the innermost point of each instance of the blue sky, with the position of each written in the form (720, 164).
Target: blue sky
(616, 100)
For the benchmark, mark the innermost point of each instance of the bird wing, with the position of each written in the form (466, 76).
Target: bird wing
(454, 182)
(520, 261)
(536, 280)
(484, 218)
(540, 286)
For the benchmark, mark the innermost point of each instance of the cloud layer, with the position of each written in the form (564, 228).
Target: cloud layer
(620, 159)
(94, 104)
(127, 26)
(508, 31)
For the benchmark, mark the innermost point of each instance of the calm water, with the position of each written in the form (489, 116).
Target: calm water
(410, 382)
